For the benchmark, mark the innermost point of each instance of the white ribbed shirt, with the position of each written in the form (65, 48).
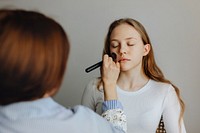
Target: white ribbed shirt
(143, 108)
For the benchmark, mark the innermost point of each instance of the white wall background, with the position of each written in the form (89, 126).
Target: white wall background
(173, 26)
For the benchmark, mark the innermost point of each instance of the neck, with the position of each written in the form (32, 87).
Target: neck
(46, 95)
(132, 80)
(51, 93)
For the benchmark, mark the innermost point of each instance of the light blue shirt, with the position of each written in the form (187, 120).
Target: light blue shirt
(47, 116)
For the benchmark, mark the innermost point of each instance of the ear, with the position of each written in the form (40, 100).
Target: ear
(147, 48)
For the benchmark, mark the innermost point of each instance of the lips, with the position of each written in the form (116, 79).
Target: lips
(124, 59)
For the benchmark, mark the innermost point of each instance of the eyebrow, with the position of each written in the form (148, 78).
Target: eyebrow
(128, 38)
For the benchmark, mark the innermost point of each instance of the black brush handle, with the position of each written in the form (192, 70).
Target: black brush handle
(89, 69)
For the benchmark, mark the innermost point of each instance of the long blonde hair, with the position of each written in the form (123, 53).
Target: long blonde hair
(149, 65)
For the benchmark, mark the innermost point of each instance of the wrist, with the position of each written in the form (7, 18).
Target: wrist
(110, 92)
(111, 104)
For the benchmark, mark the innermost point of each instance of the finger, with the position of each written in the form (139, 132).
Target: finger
(105, 59)
(117, 64)
(110, 60)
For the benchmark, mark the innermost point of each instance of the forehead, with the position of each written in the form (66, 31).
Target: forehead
(124, 31)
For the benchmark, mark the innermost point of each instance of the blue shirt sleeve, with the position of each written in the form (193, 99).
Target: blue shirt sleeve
(111, 104)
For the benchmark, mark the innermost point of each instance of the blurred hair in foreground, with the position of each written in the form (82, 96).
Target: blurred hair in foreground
(33, 55)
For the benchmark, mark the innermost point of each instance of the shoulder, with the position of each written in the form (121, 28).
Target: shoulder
(93, 84)
(93, 96)
(161, 86)
(162, 89)
(166, 90)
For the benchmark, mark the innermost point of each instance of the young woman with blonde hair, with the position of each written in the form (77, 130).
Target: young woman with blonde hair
(141, 86)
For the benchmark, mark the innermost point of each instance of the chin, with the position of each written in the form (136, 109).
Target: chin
(124, 69)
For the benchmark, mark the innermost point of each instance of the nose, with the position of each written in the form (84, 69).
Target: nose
(123, 49)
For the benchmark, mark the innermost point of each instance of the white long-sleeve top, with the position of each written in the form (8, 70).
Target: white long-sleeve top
(143, 108)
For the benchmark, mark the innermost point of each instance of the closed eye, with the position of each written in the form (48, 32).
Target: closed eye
(131, 44)
(114, 45)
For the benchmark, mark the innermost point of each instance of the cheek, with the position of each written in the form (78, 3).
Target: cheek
(113, 50)
(116, 52)
(137, 53)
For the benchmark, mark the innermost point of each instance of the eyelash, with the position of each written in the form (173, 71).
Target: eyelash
(115, 46)
(131, 44)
